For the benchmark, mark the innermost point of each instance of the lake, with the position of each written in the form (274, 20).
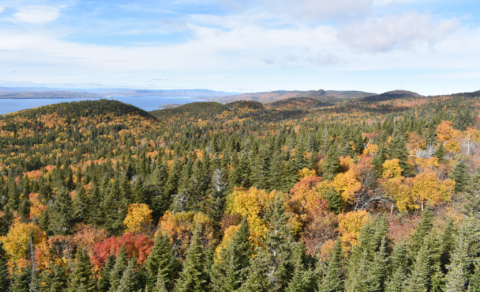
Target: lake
(148, 103)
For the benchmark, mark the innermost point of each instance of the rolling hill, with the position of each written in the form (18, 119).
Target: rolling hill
(297, 103)
(396, 94)
(273, 96)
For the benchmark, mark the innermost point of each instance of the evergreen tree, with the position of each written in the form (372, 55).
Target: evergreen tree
(115, 209)
(332, 278)
(160, 284)
(379, 159)
(331, 164)
(161, 261)
(423, 228)
(440, 153)
(397, 149)
(461, 176)
(399, 266)
(117, 271)
(21, 280)
(466, 252)
(418, 280)
(128, 282)
(4, 275)
(193, 277)
(334, 201)
(80, 204)
(230, 269)
(82, 274)
(61, 221)
(104, 282)
(273, 266)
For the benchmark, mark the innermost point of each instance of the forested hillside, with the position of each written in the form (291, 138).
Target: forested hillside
(363, 195)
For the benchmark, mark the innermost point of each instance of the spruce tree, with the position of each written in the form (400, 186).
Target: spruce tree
(379, 159)
(331, 164)
(398, 268)
(117, 271)
(423, 228)
(61, 221)
(418, 281)
(194, 277)
(162, 261)
(80, 204)
(4, 275)
(82, 274)
(230, 269)
(103, 283)
(21, 280)
(334, 201)
(397, 149)
(160, 284)
(466, 252)
(461, 176)
(332, 276)
(440, 153)
(128, 282)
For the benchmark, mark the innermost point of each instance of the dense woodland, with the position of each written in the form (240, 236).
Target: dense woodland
(363, 195)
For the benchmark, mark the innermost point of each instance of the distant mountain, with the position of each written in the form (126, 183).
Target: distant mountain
(297, 103)
(396, 94)
(273, 96)
(46, 94)
(25, 92)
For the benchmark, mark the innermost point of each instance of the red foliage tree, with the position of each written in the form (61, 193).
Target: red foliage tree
(138, 246)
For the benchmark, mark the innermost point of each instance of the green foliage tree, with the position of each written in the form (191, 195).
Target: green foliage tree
(61, 221)
(82, 274)
(161, 261)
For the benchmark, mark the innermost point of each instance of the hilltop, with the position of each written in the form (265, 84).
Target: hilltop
(396, 94)
(265, 97)
(297, 103)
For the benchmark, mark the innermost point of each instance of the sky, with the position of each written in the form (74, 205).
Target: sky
(427, 46)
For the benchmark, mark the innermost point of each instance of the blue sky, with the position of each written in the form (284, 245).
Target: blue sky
(427, 46)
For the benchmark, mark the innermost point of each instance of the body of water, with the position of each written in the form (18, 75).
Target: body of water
(148, 103)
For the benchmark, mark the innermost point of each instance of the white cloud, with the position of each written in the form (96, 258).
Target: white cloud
(1, 9)
(37, 14)
(396, 32)
(321, 9)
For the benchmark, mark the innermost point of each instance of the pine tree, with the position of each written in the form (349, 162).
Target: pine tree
(230, 269)
(332, 280)
(423, 228)
(461, 176)
(21, 280)
(128, 282)
(61, 214)
(418, 280)
(397, 149)
(82, 274)
(160, 284)
(193, 277)
(104, 282)
(466, 252)
(399, 265)
(379, 160)
(440, 153)
(117, 271)
(80, 204)
(331, 164)
(115, 209)
(334, 201)
(4, 275)
(161, 261)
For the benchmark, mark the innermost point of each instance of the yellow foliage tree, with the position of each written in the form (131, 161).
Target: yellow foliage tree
(251, 203)
(347, 184)
(400, 193)
(227, 237)
(350, 225)
(392, 169)
(139, 216)
(371, 149)
(446, 134)
(19, 236)
(305, 172)
(427, 188)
